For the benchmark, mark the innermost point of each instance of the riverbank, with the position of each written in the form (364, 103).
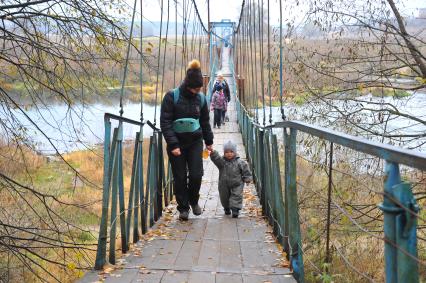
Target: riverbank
(57, 195)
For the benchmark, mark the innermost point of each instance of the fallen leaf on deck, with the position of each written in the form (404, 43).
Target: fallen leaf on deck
(145, 271)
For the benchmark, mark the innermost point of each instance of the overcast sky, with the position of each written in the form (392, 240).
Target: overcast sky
(230, 9)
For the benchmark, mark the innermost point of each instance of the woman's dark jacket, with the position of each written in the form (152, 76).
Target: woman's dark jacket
(188, 106)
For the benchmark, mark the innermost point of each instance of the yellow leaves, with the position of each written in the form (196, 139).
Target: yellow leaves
(79, 274)
(345, 220)
(421, 80)
(71, 266)
(149, 48)
(79, 256)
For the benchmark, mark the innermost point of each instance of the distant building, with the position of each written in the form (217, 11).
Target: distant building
(422, 13)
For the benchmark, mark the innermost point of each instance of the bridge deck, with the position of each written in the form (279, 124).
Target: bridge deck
(208, 248)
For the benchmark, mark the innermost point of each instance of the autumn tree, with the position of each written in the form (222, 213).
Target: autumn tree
(51, 52)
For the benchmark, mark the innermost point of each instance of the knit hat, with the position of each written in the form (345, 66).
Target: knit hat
(194, 77)
(230, 146)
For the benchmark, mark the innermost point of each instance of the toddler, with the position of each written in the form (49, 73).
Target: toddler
(233, 173)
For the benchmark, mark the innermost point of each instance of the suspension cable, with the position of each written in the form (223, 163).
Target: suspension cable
(269, 67)
(165, 46)
(158, 64)
(241, 16)
(183, 58)
(127, 59)
(199, 17)
(176, 37)
(141, 62)
(281, 61)
(261, 60)
(255, 62)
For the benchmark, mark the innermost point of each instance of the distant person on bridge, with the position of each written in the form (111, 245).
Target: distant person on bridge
(233, 173)
(222, 82)
(185, 122)
(218, 105)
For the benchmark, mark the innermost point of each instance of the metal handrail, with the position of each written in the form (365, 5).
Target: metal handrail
(388, 152)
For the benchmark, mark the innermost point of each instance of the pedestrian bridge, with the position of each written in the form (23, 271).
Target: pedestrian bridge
(211, 247)
(268, 242)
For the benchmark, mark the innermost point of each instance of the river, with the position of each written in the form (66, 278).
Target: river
(82, 127)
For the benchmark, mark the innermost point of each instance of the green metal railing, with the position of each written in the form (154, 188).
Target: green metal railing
(280, 201)
(147, 193)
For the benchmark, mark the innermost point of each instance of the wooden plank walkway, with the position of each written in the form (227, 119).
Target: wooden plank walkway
(208, 248)
(212, 247)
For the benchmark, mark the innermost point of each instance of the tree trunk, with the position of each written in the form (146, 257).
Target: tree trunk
(413, 50)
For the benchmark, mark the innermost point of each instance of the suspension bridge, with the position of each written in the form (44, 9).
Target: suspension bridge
(267, 243)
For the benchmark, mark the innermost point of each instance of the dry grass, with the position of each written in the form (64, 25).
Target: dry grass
(15, 158)
(56, 178)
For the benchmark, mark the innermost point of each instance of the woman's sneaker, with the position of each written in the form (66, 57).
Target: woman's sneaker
(183, 215)
(196, 209)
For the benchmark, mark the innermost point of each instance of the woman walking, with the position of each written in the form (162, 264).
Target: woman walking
(185, 123)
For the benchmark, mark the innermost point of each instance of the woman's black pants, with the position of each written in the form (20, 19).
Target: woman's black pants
(187, 171)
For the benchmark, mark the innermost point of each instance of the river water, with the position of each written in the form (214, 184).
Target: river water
(81, 126)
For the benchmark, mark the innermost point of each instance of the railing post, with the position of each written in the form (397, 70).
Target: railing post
(251, 141)
(389, 208)
(261, 167)
(400, 226)
(406, 238)
(132, 199)
(256, 164)
(269, 207)
(286, 188)
(296, 257)
(278, 192)
(160, 176)
(148, 207)
(122, 207)
(114, 192)
(330, 183)
(102, 240)
(137, 204)
(169, 180)
(142, 192)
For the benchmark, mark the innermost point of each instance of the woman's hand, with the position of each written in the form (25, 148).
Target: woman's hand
(176, 152)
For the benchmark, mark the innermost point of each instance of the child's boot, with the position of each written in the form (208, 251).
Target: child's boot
(235, 212)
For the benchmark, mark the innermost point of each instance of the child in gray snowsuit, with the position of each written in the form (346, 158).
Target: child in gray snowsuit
(233, 173)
